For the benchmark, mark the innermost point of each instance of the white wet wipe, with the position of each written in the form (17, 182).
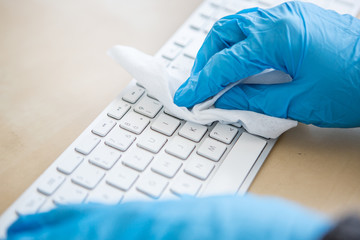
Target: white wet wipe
(157, 80)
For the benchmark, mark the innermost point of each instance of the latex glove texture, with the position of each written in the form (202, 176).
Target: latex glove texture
(245, 218)
(318, 48)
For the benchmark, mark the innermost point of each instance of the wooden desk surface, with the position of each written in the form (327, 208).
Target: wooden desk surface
(55, 78)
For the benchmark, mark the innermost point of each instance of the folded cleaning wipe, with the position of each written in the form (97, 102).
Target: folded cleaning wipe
(151, 74)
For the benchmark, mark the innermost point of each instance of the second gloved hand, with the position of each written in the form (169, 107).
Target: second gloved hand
(319, 48)
(228, 217)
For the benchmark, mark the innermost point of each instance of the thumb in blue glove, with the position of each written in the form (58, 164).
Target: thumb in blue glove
(226, 217)
(319, 48)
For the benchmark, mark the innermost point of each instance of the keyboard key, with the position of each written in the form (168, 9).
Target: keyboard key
(184, 38)
(87, 176)
(120, 139)
(69, 162)
(166, 165)
(165, 124)
(137, 159)
(136, 196)
(87, 144)
(148, 107)
(105, 157)
(47, 206)
(186, 185)
(199, 167)
(224, 133)
(181, 67)
(171, 51)
(197, 22)
(105, 194)
(193, 48)
(70, 193)
(152, 141)
(236, 166)
(133, 94)
(122, 178)
(180, 147)
(207, 10)
(153, 185)
(119, 110)
(49, 184)
(163, 61)
(31, 205)
(208, 26)
(212, 149)
(193, 131)
(217, 3)
(134, 122)
(104, 127)
(221, 13)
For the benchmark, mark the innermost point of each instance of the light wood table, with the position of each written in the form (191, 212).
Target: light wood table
(55, 78)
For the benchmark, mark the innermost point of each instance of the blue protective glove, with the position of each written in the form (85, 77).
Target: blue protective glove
(320, 49)
(246, 218)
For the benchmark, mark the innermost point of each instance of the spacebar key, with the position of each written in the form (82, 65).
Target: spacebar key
(236, 165)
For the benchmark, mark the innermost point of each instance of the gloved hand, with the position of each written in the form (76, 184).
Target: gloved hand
(320, 49)
(246, 218)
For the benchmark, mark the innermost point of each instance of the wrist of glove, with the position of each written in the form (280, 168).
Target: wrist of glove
(226, 217)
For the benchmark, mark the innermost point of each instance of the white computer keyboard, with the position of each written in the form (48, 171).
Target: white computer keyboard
(135, 150)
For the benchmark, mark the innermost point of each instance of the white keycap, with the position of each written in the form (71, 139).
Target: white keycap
(208, 25)
(152, 185)
(185, 185)
(50, 183)
(199, 167)
(119, 110)
(152, 141)
(151, 96)
(180, 147)
(191, 50)
(221, 13)
(134, 122)
(264, 4)
(217, 3)
(120, 139)
(197, 22)
(47, 206)
(193, 131)
(166, 165)
(236, 166)
(181, 67)
(165, 62)
(122, 178)
(165, 124)
(105, 194)
(137, 159)
(171, 51)
(148, 107)
(104, 127)
(342, 6)
(207, 10)
(70, 193)
(136, 196)
(69, 162)
(133, 94)
(212, 149)
(224, 133)
(104, 157)
(31, 205)
(87, 176)
(184, 37)
(87, 144)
